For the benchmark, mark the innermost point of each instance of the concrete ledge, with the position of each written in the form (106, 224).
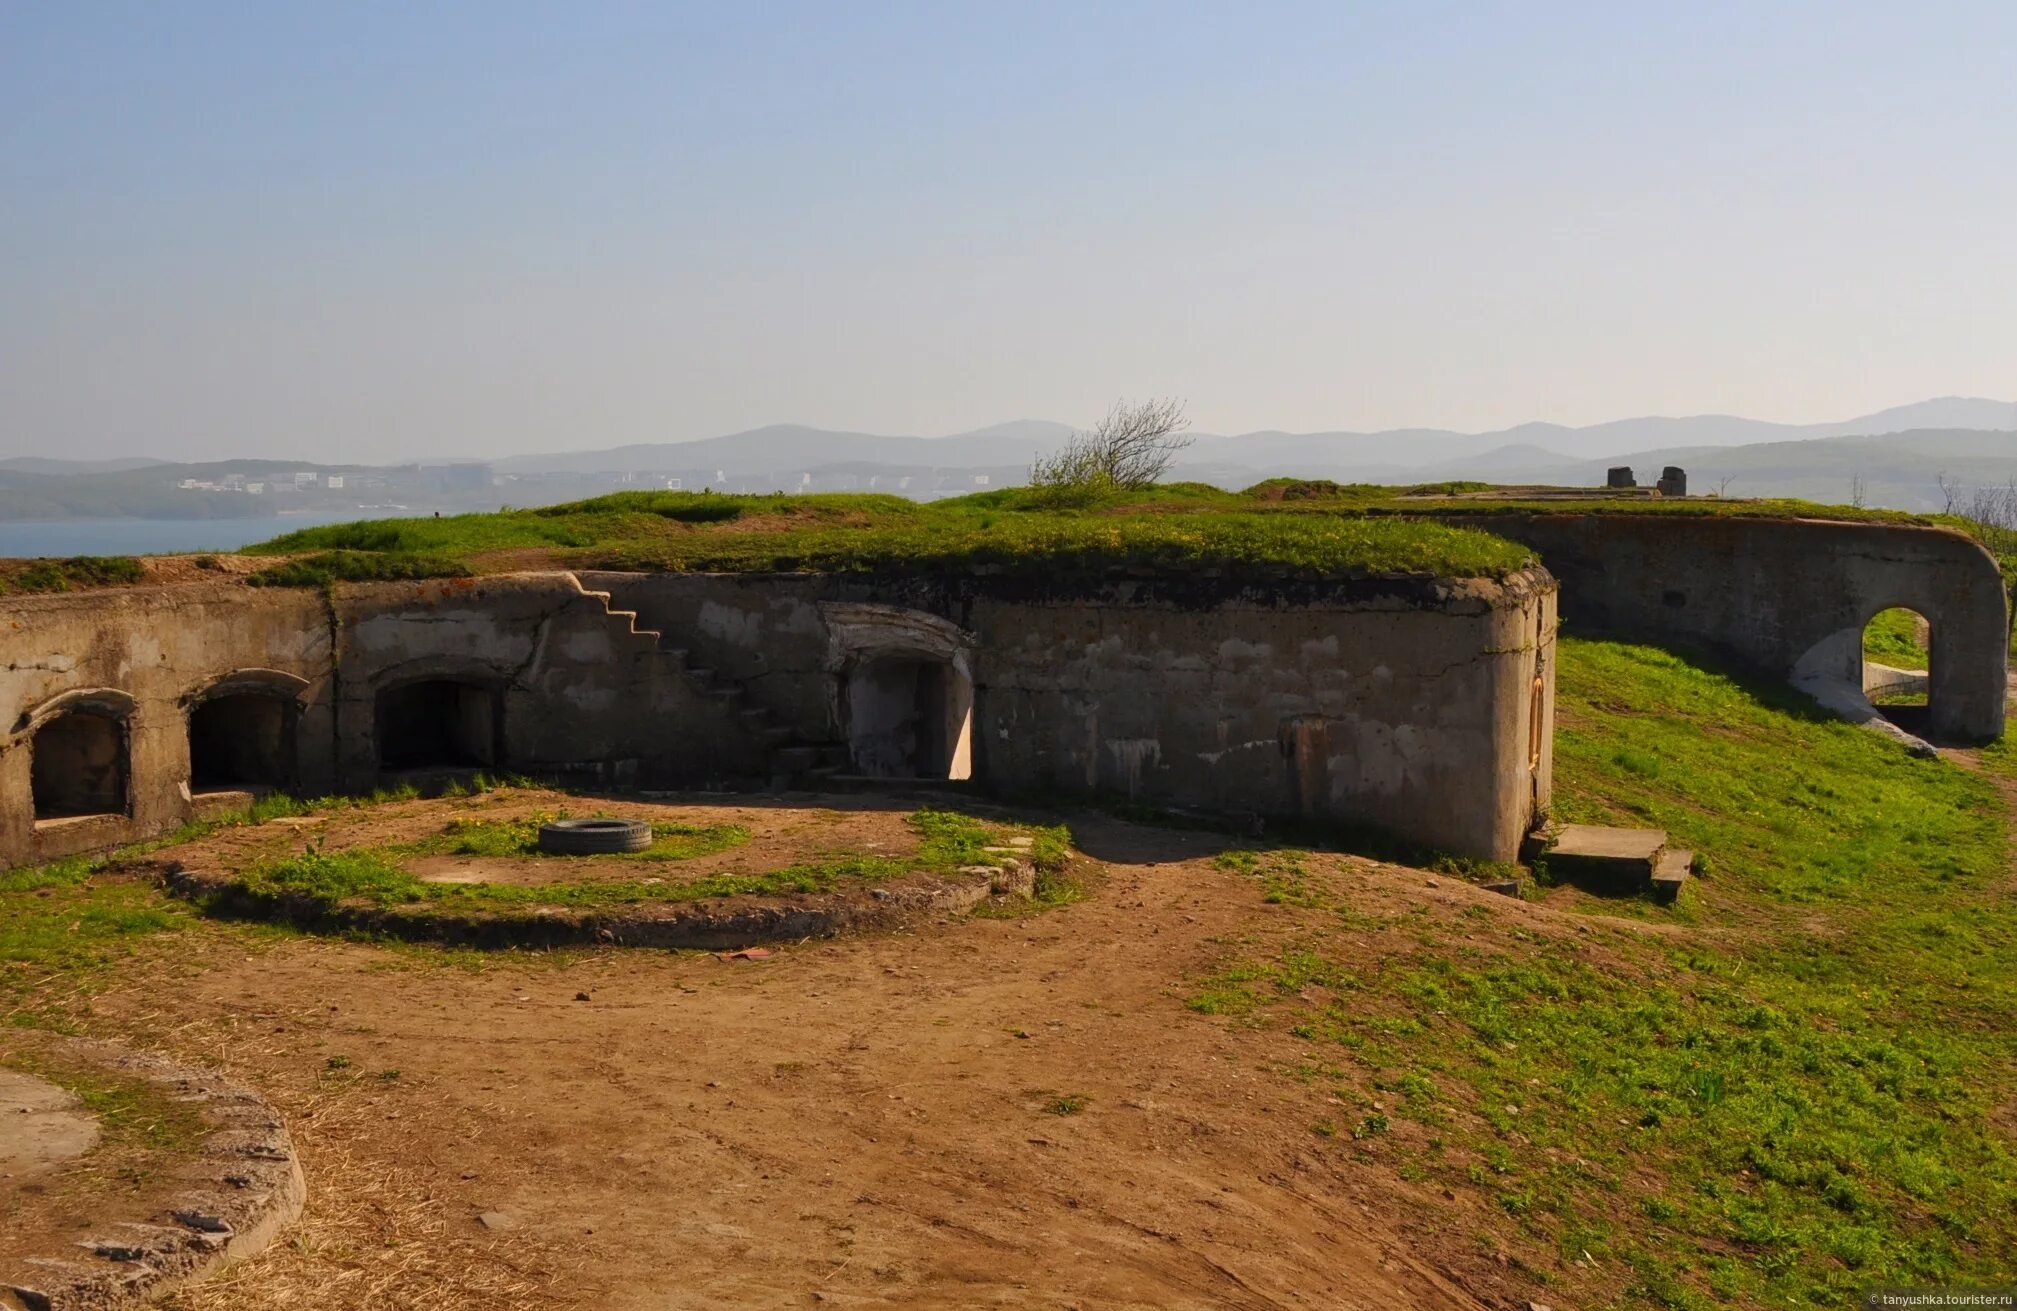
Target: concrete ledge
(241, 1188)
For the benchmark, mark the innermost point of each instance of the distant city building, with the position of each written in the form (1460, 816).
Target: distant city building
(334, 482)
(256, 489)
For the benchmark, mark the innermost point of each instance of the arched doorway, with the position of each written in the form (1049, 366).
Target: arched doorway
(1897, 664)
(904, 692)
(907, 718)
(242, 740)
(438, 723)
(78, 764)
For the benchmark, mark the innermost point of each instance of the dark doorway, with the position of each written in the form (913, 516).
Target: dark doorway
(908, 718)
(242, 740)
(438, 724)
(78, 766)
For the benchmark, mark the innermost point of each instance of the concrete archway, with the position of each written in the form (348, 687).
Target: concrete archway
(243, 731)
(903, 690)
(80, 759)
(438, 723)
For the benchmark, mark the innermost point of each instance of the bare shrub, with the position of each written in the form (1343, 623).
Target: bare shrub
(1131, 448)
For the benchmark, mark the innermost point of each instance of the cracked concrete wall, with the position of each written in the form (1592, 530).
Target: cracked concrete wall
(1408, 713)
(1404, 703)
(581, 694)
(163, 648)
(1788, 597)
(1408, 706)
(762, 632)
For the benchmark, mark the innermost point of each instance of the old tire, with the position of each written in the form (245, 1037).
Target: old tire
(594, 837)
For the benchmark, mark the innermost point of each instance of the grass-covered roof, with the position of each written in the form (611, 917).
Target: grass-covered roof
(1280, 528)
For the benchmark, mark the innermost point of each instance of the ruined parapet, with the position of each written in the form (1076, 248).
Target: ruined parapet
(1787, 597)
(1620, 476)
(1673, 481)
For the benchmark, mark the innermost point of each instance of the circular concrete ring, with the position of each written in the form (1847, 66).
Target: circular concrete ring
(594, 837)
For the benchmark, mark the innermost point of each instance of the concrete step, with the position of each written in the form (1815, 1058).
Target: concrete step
(1670, 873)
(1616, 857)
(793, 760)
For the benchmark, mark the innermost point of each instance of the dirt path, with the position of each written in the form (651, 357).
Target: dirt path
(869, 1122)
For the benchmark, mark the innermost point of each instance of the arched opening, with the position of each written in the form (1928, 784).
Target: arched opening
(438, 723)
(1897, 658)
(910, 717)
(78, 765)
(242, 740)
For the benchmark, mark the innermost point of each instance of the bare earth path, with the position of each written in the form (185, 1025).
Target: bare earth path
(869, 1122)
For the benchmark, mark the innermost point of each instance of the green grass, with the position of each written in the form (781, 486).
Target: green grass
(376, 876)
(63, 926)
(1803, 1096)
(1892, 638)
(520, 837)
(80, 571)
(1020, 530)
(322, 568)
(1283, 527)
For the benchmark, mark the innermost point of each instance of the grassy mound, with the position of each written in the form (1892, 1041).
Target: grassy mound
(322, 882)
(1798, 1091)
(520, 837)
(1184, 527)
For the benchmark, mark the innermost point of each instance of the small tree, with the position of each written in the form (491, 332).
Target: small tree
(1131, 448)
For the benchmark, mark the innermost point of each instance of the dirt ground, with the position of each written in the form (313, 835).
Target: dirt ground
(873, 1121)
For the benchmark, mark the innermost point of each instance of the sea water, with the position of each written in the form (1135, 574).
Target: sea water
(151, 536)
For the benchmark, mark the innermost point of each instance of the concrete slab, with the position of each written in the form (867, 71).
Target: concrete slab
(1618, 860)
(1598, 842)
(1670, 872)
(44, 1126)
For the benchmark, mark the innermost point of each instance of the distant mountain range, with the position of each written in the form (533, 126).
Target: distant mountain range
(781, 446)
(1896, 457)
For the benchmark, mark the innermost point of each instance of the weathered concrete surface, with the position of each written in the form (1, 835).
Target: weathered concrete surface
(1788, 597)
(233, 1195)
(142, 656)
(1841, 697)
(1623, 859)
(1424, 708)
(1889, 680)
(1420, 706)
(41, 1127)
(577, 689)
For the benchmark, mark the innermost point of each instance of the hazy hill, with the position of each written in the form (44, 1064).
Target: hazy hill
(785, 448)
(1898, 454)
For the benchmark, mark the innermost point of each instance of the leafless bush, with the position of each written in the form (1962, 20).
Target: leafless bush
(1132, 447)
(1990, 511)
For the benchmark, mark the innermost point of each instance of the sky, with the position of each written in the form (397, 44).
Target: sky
(384, 231)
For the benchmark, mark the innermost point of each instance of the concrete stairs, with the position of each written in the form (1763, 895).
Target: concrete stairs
(789, 761)
(1627, 861)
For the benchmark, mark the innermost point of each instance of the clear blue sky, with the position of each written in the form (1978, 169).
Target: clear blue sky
(378, 230)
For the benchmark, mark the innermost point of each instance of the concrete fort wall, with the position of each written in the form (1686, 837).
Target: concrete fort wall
(1422, 707)
(546, 678)
(1788, 597)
